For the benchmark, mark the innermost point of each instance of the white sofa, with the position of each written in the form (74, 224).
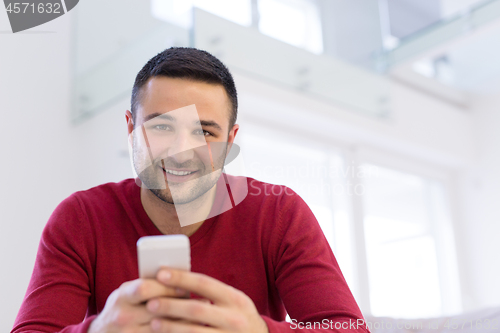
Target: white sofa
(483, 321)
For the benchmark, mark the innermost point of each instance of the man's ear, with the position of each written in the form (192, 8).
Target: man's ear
(130, 121)
(130, 126)
(231, 136)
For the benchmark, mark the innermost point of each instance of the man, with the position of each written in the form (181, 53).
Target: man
(251, 257)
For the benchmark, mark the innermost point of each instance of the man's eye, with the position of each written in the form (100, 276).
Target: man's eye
(202, 132)
(162, 127)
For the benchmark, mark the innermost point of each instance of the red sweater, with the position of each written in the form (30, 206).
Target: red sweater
(270, 246)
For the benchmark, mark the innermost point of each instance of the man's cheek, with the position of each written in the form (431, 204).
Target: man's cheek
(218, 152)
(206, 158)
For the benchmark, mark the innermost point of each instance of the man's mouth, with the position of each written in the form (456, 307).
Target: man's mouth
(179, 176)
(178, 172)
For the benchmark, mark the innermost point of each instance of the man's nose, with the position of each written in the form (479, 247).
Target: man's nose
(182, 148)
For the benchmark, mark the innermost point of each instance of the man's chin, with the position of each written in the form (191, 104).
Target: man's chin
(160, 194)
(177, 197)
(179, 192)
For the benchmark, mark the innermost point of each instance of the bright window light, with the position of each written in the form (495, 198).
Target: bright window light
(296, 22)
(425, 67)
(178, 12)
(401, 232)
(404, 277)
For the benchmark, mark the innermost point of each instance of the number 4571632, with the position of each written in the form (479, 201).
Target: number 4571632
(24, 7)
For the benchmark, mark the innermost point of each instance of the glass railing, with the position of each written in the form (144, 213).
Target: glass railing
(247, 51)
(441, 33)
(111, 80)
(104, 74)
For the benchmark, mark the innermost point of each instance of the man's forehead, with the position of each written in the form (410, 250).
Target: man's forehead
(186, 113)
(161, 89)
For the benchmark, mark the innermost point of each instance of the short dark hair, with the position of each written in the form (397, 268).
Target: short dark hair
(188, 63)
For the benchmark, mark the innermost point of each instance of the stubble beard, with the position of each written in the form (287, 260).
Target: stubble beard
(153, 178)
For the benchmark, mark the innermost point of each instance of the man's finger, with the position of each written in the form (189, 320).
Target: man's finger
(140, 290)
(144, 328)
(201, 284)
(166, 325)
(191, 310)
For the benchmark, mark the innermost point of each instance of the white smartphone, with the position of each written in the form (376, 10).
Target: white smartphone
(154, 252)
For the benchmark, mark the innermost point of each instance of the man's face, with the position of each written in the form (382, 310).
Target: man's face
(180, 137)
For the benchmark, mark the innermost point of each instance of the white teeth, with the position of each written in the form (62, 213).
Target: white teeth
(179, 173)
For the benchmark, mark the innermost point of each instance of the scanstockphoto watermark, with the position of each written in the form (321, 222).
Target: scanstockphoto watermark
(412, 325)
(327, 324)
(310, 170)
(312, 178)
(317, 188)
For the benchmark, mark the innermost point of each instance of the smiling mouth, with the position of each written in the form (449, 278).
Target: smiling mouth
(178, 172)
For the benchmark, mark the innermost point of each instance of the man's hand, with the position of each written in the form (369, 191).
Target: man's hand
(229, 309)
(125, 309)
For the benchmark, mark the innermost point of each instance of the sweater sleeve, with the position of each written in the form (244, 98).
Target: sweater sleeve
(57, 299)
(308, 278)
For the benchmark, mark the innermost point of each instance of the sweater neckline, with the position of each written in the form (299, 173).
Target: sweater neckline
(149, 225)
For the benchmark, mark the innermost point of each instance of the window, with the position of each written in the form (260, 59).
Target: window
(296, 22)
(401, 221)
(179, 11)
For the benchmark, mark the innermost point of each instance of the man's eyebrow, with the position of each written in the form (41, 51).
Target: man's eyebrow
(158, 115)
(209, 123)
(165, 116)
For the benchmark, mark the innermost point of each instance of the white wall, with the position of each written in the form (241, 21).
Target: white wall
(480, 194)
(37, 152)
(47, 158)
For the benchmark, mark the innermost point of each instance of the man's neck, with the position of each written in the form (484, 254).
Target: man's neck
(166, 216)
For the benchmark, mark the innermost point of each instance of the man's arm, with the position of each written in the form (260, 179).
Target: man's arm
(61, 285)
(59, 290)
(308, 277)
